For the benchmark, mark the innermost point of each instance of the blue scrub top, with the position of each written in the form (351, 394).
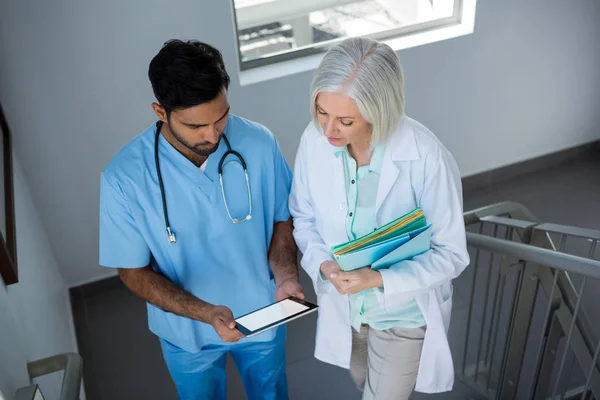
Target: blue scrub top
(214, 259)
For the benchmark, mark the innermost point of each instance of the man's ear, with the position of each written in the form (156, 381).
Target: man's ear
(160, 112)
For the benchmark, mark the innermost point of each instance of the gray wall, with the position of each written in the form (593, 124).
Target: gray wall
(35, 313)
(73, 83)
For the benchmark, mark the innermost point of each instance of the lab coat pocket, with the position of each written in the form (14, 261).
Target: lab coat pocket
(331, 223)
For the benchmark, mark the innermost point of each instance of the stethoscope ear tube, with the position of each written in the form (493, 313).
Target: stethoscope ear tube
(233, 153)
(170, 235)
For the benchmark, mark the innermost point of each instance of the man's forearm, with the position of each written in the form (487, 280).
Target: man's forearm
(283, 252)
(159, 291)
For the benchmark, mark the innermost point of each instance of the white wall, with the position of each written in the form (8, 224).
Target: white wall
(35, 313)
(73, 83)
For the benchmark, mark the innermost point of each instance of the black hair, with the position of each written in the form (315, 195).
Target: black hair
(187, 73)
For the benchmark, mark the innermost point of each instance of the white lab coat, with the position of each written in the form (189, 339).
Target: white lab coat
(417, 171)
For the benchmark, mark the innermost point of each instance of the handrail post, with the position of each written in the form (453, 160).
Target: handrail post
(518, 331)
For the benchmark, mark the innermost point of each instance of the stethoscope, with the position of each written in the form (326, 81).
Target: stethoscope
(170, 234)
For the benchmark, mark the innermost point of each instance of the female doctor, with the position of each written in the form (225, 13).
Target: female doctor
(361, 164)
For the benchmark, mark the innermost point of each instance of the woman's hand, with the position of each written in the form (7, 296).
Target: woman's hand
(329, 269)
(356, 281)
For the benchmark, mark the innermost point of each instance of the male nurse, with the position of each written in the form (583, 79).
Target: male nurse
(194, 215)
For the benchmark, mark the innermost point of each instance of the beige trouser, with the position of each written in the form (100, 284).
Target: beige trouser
(384, 364)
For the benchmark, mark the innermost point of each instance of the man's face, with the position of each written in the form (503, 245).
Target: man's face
(200, 128)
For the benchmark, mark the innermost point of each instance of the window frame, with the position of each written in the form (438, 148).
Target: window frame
(321, 47)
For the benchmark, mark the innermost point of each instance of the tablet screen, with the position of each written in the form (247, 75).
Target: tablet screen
(271, 314)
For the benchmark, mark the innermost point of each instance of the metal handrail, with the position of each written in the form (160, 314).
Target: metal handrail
(71, 363)
(524, 252)
(538, 263)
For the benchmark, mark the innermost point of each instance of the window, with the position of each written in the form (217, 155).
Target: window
(270, 31)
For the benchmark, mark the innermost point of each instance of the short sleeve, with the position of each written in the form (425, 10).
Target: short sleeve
(283, 184)
(121, 243)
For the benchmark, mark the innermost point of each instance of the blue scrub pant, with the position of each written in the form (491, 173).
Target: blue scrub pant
(201, 376)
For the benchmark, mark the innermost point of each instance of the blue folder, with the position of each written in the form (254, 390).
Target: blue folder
(388, 252)
(418, 244)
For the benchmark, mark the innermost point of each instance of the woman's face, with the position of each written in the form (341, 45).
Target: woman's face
(341, 121)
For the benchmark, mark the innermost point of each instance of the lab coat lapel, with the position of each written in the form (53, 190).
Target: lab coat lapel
(402, 146)
(333, 182)
(337, 189)
(389, 174)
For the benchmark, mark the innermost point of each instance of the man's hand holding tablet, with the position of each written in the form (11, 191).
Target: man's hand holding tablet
(221, 319)
(273, 315)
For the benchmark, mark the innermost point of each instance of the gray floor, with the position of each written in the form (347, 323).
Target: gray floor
(123, 361)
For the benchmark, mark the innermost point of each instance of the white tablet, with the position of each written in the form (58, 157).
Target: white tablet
(273, 315)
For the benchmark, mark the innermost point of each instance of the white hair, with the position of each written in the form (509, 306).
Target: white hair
(369, 72)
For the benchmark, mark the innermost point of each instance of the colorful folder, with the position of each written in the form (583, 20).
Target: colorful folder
(396, 241)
